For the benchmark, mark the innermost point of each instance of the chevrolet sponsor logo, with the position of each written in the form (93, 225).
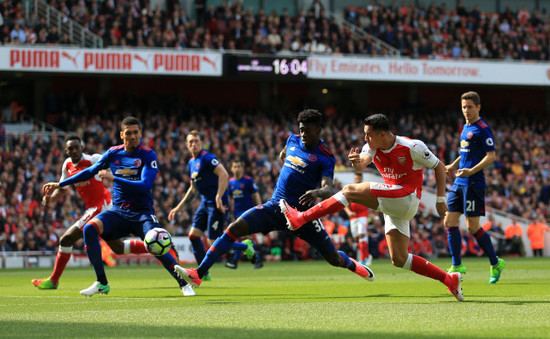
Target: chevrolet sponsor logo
(126, 171)
(297, 161)
(464, 143)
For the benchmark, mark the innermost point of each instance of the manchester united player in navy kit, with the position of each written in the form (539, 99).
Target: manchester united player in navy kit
(477, 151)
(210, 179)
(133, 170)
(307, 174)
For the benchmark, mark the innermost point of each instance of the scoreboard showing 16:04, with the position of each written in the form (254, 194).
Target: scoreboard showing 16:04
(267, 67)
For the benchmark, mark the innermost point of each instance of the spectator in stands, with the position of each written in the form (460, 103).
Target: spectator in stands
(535, 233)
(514, 241)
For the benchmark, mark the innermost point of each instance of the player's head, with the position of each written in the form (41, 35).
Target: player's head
(310, 123)
(358, 177)
(237, 168)
(471, 105)
(130, 133)
(194, 142)
(377, 130)
(73, 147)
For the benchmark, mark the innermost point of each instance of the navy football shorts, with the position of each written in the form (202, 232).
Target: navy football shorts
(268, 217)
(120, 222)
(208, 218)
(467, 199)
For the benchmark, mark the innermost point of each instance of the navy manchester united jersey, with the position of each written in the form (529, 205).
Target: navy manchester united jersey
(134, 173)
(302, 170)
(241, 191)
(201, 169)
(475, 141)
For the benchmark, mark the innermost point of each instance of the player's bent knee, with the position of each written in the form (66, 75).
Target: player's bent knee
(398, 261)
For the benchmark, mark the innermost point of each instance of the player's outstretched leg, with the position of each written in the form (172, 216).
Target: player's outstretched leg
(453, 283)
(296, 219)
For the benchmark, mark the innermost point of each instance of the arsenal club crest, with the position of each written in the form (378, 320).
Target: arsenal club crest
(402, 160)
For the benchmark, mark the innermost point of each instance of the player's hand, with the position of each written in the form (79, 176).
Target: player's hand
(172, 214)
(49, 187)
(46, 200)
(449, 169)
(354, 156)
(220, 206)
(441, 208)
(106, 175)
(309, 197)
(464, 172)
(351, 214)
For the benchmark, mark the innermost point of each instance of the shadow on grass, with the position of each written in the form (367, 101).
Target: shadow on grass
(28, 329)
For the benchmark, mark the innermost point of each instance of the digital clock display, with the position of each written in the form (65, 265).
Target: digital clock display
(267, 67)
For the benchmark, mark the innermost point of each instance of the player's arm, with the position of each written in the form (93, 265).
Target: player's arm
(440, 180)
(488, 159)
(189, 196)
(324, 192)
(256, 199)
(359, 160)
(422, 154)
(282, 155)
(349, 212)
(83, 175)
(223, 180)
(453, 166)
(55, 196)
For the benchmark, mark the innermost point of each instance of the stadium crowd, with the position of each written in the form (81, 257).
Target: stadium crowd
(518, 182)
(423, 31)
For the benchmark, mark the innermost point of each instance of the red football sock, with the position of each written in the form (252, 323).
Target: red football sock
(60, 263)
(137, 247)
(363, 250)
(325, 207)
(424, 267)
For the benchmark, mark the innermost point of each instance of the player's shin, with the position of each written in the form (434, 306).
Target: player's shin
(198, 248)
(346, 261)
(329, 206)
(93, 249)
(218, 248)
(63, 256)
(455, 244)
(484, 241)
(423, 267)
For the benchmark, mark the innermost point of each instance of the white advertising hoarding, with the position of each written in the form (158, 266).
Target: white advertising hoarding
(432, 71)
(127, 61)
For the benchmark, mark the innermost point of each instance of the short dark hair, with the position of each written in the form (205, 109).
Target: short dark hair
(471, 96)
(73, 136)
(379, 122)
(130, 121)
(194, 133)
(310, 116)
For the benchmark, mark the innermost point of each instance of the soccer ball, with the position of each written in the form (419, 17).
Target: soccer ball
(158, 241)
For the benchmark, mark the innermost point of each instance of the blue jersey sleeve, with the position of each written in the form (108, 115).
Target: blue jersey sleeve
(148, 175)
(87, 173)
(488, 141)
(328, 168)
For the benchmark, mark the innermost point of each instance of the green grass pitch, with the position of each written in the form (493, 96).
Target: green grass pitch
(282, 300)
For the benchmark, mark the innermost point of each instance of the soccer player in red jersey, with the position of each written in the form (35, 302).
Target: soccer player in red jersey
(96, 197)
(400, 160)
